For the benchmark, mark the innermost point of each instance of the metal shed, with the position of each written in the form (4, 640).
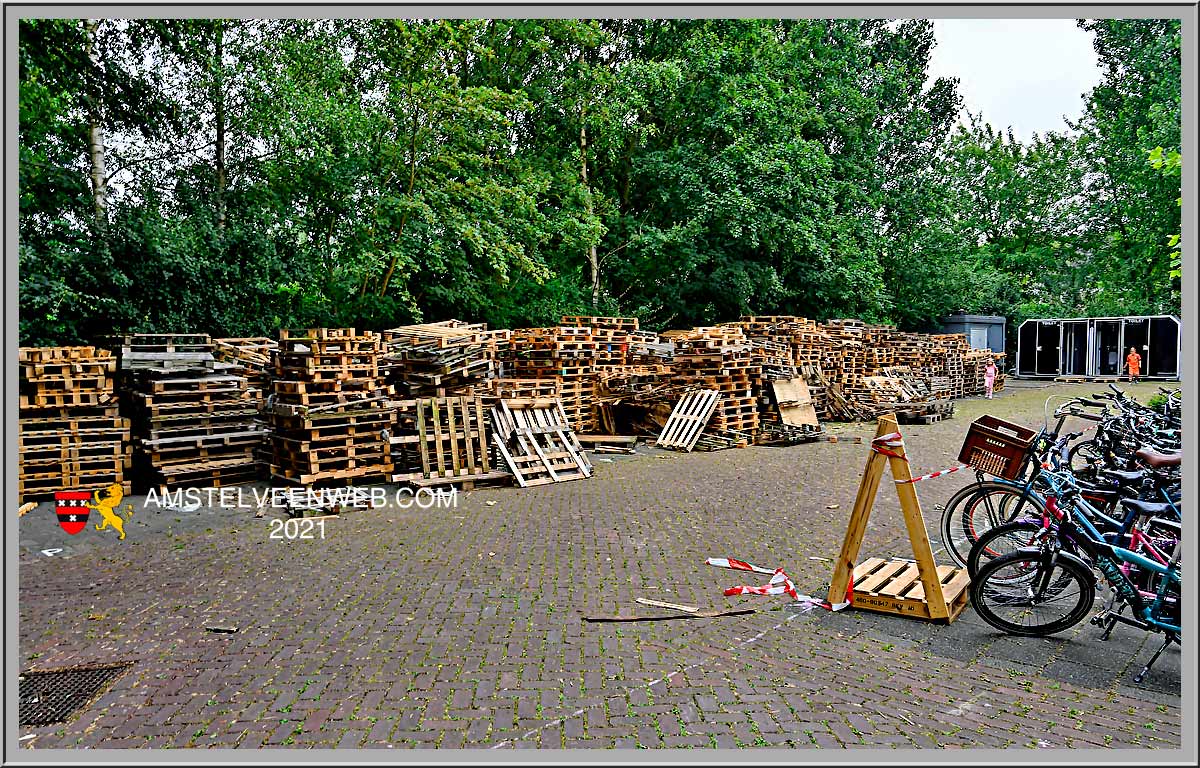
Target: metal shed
(1095, 347)
(982, 331)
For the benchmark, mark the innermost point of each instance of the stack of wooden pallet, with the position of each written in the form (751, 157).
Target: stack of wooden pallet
(567, 354)
(70, 435)
(951, 348)
(329, 415)
(720, 358)
(647, 348)
(439, 359)
(250, 357)
(818, 389)
(195, 423)
(878, 346)
(771, 349)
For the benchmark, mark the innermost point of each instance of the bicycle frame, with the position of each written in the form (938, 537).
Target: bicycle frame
(1112, 561)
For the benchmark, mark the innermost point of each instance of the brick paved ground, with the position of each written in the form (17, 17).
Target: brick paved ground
(461, 628)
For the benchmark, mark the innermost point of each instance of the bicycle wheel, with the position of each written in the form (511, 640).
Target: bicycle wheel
(977, 509)
(1086, 459)
(1002, 540)
(1003, 594)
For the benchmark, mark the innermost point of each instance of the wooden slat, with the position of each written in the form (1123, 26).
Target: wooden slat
(956, 585)
(422, 430)
(471, 437)
(484, 448)
(879, 577)
(943, 571)
(902, 582)
(451, 423)
(438, 452)
(862, 570)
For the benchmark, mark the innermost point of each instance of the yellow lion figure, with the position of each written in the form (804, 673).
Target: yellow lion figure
(106, 504)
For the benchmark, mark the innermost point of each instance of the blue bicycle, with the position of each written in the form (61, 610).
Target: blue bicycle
(1051, 586)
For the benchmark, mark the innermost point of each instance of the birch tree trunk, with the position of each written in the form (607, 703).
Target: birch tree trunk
(95, 130)
(592, 256)
(219, 111)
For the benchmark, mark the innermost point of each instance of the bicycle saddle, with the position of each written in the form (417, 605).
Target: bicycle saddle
(1123, 477)
(1150, 508)
(1159, 460)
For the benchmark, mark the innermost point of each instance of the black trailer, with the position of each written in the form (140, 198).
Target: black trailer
(1095, 347)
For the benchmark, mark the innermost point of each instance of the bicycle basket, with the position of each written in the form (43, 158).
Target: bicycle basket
(997, 447)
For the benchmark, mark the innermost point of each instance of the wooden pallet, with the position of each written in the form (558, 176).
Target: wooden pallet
(688, 420)
(73, 399)
(895, 586)
(602, 323)
(774, 433)
(44, 489)
(211, 474)
(537, 442)
(448, 436)
(369, 472)
(889, 586)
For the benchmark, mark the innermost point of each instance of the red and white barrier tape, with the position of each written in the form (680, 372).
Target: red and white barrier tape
(932, 475)
(883, 443)
(780, 584)
(736, 565)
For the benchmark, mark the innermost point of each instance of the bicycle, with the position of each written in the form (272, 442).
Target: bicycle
(1047, 588)
(1145, 525)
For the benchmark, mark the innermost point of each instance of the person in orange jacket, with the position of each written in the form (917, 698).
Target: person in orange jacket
(1133, 362)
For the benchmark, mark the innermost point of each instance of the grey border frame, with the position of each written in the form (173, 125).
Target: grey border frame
(1187, 12)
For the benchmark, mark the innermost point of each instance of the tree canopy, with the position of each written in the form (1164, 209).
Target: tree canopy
(237, 176)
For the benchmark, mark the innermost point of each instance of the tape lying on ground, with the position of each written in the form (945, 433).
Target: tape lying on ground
(780, 584)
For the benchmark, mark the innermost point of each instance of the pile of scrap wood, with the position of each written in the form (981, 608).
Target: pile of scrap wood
(720, 358)
(70, 434)
(329, 413)
(631, 398)
(194, 422)
(439, 359)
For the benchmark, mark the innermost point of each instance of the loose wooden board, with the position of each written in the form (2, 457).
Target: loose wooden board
(795, 402)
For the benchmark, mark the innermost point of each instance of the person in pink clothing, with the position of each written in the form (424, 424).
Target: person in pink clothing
(989, 377)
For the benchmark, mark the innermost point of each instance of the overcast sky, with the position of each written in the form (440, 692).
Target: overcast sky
(1026, 73)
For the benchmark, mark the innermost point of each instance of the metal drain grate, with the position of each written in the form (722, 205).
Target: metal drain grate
(52, 695)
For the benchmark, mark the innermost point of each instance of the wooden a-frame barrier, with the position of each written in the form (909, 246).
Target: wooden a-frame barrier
(922, 590)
